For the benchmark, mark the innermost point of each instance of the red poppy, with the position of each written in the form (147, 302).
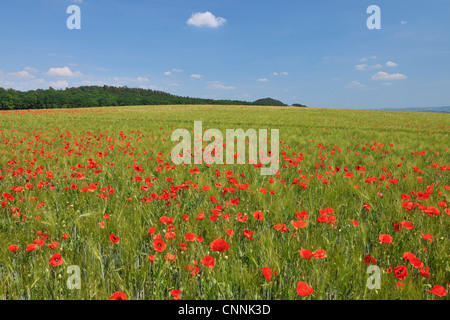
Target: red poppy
(170, 257)
(424, 272)
(267, 272)
(114, 238)
(281, 227)
(301, 215)
(248, 233)
(159, 245)
(428, 237)
(401, 272)
(229, 232)
(303, 289)
(53, 245)
(175, 294)
(438, 290)
(208, 261)
(118, 296)
(299, 224)
(385, 238)
(219, 245)
(56, 260)
(39, 242)
(31, 247)
(258, 215)
(370, 260)
(307, 254)
(319, 254)
(13, 247)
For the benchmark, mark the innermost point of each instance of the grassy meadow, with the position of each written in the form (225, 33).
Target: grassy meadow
(71, 178)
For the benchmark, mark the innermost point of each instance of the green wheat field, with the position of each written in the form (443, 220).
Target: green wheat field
(95, 190)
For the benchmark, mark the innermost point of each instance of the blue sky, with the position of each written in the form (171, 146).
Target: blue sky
(319, 53)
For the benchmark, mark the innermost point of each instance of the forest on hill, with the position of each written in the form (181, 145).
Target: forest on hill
(98, 96)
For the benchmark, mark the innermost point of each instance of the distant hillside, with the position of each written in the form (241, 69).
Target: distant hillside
(268, 102)
(97, 96)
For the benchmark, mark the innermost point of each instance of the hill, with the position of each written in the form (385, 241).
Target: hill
(97, 96)
(268, 102)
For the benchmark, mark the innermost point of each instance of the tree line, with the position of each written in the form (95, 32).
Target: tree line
(98, 96)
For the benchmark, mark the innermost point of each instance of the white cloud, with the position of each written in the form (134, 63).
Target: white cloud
(403, 22)
(391, 64)
(174, 84)
(386, 76)
(361, 67)
(205, 19)
(263, 80)
(377, 66)
(20, 74)
(30, 69)
(387, 84)
(59, 84)
(167, 73)
(63, 72)
(284, 73)
(142, 79)
(177, 70)
(195, 76)
(355, 84)
(363, 59)
(219, 85)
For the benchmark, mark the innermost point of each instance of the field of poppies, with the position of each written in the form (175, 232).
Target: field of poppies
(92, 206)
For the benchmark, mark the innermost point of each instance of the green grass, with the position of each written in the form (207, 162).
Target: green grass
(57, 140)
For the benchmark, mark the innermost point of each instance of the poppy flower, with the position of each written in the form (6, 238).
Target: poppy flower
(248, 233)
(385, 238)
(151, 258)
(56, 260)
(159, 245)
(258, 215)
(229, 232)
(170, 257)
(428, 237)
(319, 254)
(118, 295)
(39, 242)
(281, 227)
(354, 222)
(438, 290)
(267, 272)
(370, 260)
(306, 254)
(301, 215)
(424, 272)
(401, 272)
(13, 247)
(114, 238)
(303, 289)
(53, 245)
(208, 261)
(194, 271)
(219, 245)
(175, 294)
(299, 224)
(31, 247)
